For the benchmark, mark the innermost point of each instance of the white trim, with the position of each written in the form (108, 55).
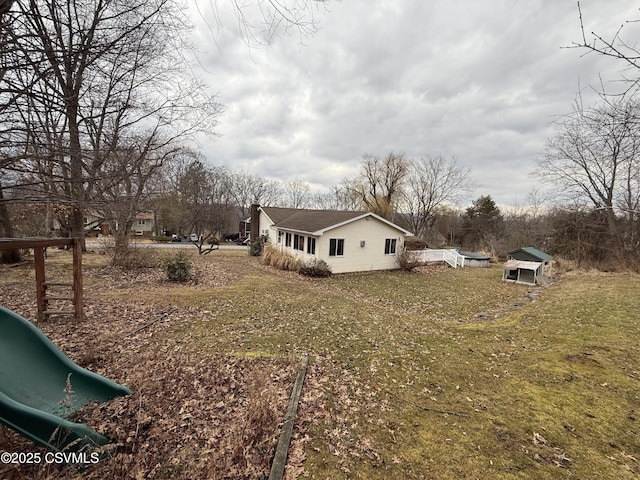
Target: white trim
(360, 217)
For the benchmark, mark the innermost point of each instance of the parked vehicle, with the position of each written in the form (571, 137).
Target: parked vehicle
(194, 238)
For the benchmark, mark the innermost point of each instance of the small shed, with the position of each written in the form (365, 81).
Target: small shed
(530, 254)
(473, 259)
(521, 271)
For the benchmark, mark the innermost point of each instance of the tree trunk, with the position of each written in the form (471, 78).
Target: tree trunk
(121, 236)
(6, 227)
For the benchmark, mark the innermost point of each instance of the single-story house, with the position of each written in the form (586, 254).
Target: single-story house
(347, 241)
(527, 265)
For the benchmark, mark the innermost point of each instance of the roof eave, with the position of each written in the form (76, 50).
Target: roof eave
(364, 215)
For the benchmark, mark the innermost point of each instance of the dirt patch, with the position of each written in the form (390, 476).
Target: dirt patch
(583, 358)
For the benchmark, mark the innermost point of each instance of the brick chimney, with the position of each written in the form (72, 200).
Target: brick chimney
(255, 221)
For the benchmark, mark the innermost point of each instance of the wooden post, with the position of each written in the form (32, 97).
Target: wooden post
(38, 245)
(78, 304)
(41, 289)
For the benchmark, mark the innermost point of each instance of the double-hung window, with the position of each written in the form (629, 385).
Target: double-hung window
(311, 246)
(287, 239)
(298, 242)
(390, 246)
(336, 247)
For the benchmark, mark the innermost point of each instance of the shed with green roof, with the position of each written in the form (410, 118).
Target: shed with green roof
(531, 254)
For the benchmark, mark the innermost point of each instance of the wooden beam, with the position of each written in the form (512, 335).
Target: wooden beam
(12, 243)
(280, 458)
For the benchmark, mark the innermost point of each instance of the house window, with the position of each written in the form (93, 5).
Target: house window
(141, 222)
(287, 239)
(311, 246)
(298, 242)
(279, 236)
(336, 247)
(390, 246)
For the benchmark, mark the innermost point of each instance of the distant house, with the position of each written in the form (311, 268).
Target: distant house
(347, 241)
(527, 265)
(144, 224)
(94, 225)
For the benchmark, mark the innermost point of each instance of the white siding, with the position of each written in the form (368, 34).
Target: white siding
(302, 254)
(358, 258)
(265, 227)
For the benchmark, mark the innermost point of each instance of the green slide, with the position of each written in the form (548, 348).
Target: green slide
(40, 387)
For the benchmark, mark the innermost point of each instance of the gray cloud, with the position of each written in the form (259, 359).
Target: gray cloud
(481, 81)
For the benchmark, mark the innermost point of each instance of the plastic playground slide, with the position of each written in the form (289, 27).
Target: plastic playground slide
(35, 398)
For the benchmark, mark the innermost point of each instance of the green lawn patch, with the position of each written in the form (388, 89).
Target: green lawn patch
(446, 373)
(438, 373)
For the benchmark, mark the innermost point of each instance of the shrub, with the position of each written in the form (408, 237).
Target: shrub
(407, 261)
(413, 243)
(257, 246)
(316, 268)
(132, 257)
(282, 260)
(178, 267)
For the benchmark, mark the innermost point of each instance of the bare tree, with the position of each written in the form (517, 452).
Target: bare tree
(432, 183)
(93, 75)
(262, 21)
(378, 185)
(5, 6)
(248, 189)
(528, 224)
(6, 230)
(337, 198)
(595, 158)
(123, 191)
(297, 194)
(205, 201)
(615, 46)
(90, 84)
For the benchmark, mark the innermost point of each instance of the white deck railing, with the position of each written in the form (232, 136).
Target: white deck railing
(449, 256)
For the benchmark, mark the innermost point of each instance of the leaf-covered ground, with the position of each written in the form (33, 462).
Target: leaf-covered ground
(439, 373)
(193, 413)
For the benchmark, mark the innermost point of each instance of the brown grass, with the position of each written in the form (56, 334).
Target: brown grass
(274, 257)
(440, 373)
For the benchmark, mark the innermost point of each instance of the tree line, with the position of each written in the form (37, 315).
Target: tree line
(99, 109)
(97, 97)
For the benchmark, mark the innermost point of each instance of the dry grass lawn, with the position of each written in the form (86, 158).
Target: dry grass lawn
(439, 373)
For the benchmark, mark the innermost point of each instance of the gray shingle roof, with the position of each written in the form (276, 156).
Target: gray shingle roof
(309, 220)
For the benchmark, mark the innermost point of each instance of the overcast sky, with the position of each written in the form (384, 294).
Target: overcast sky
(479, 80)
